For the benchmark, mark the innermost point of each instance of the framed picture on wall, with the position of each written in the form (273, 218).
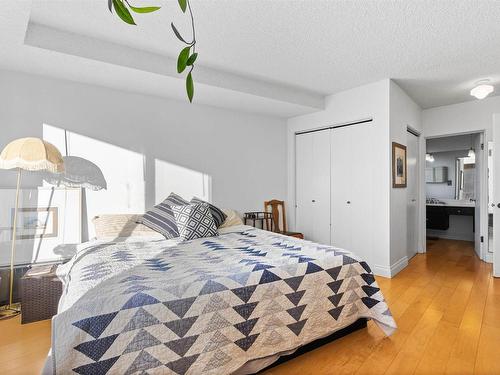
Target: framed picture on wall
(36, 222)
(48, 222)
(398, 165)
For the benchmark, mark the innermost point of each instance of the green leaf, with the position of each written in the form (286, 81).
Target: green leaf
(177, 34)
(191, 59)
(123, 12)
(182, 59)
(190, 87)
(183, 5)
(144, 9)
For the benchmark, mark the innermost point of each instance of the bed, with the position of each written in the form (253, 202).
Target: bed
(218, 305)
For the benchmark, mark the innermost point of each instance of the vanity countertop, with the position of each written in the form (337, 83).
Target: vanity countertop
(453, 203)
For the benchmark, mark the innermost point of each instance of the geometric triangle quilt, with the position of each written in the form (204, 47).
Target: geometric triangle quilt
(205, 306)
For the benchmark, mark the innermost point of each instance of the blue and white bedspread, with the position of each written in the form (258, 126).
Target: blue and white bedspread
(205, 306)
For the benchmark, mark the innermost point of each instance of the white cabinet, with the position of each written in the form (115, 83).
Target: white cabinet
(333, 187)
(313, 185)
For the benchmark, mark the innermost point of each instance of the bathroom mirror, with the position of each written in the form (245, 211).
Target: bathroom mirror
(465, 176)
(436, 175)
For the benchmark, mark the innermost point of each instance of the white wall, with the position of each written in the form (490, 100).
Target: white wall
(369, 101)
(244, 155)
(404, 113)
(453, 143)
(476, 115)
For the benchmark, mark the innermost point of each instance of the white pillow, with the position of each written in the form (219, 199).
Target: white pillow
(232, 219)
(120, 225)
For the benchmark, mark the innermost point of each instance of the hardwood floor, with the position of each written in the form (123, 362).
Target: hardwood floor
(447, 307)
(445, 302)
(23, 348)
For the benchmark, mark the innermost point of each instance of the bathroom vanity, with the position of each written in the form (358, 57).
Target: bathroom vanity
(439, 212)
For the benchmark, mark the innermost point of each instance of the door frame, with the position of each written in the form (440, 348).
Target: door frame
(496, 253)
(420, 229)
(483, 204)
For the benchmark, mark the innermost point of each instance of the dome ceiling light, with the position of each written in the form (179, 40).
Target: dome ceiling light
(482, 89)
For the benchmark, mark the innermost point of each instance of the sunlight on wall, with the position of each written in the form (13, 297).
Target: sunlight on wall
(128, 183)
(123, 170)
(185, 182)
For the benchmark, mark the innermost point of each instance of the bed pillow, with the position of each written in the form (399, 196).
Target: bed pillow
(161, 218)
(232, 219)
(120, 225)
(218, 215)
(194, 221)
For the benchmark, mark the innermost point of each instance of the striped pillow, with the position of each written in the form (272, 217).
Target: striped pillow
(218, 215)
(161, 218)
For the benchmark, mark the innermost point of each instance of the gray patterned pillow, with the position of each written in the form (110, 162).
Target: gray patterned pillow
(161, 218)
(218, 215)
(194, 221)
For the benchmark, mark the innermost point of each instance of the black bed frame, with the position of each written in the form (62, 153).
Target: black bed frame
(357, 325)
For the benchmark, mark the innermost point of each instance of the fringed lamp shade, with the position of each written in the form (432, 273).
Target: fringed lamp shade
(78, 172)
(31, 154)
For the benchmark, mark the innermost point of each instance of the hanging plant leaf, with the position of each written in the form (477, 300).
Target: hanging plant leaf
(182, 59)
(123, 12)
(183, 5)
(143, 9)
(177, 34)
(191, 59)
(110, 5)
(190, 87)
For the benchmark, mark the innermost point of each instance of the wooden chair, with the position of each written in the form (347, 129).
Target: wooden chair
(273, 224)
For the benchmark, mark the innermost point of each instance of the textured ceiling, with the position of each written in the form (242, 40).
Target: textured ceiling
(435, 50)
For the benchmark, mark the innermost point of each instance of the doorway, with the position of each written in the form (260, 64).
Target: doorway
(455, 186)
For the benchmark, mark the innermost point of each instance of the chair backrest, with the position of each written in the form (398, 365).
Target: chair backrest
(275, 213)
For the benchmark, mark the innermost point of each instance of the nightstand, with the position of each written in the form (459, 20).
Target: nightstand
(40, 293)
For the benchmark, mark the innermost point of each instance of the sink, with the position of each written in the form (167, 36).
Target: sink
(450, 202)
(434, 201)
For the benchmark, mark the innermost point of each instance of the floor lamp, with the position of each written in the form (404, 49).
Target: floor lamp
(30, 154)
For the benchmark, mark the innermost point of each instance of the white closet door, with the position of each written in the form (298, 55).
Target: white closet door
(351, 179)
(313, 185)
(321, 187)
(412, 194)
(304, 212)
(360, 189)
(341, 175)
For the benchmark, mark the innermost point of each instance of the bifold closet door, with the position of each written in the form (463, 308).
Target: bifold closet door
(304, 211)
(313, 185)
(351, 184)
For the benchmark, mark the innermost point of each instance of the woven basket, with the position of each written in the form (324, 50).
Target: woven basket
(40, 293)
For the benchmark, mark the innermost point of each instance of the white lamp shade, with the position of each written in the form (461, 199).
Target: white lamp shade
(78, 172)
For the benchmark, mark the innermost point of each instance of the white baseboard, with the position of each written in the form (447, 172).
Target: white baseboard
(391, 271)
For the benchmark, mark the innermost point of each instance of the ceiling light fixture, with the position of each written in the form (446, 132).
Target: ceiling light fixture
(472, 153)
(429, 158)
(482, 89)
